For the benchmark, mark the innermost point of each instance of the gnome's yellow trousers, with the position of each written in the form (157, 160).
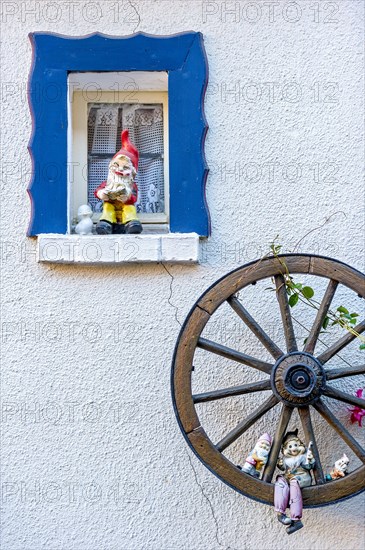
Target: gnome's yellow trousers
(117, 212)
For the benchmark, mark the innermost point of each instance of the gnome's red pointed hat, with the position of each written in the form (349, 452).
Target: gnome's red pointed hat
(128, 149)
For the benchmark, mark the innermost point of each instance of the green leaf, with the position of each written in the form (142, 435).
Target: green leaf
(293, 300)
(275, 248)
(325, 322)
(342, 309)
(354, 314)
(308, 292)
(362, 346)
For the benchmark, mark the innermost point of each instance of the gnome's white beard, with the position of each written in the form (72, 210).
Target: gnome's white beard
(119, 187)
(294, 462)
(261, 453)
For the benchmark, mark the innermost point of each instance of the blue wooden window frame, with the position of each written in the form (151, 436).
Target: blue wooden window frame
(55, 56)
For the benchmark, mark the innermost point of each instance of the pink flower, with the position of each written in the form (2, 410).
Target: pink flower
(356, 412)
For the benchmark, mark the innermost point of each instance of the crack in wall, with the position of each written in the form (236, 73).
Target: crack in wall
(217, 537)
(209, 503)
(317, 228)
(132, 5)
(172, 279)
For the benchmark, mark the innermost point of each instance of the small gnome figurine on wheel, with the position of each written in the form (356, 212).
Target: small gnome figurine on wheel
(340, 468)
(119, 192)
(296, 464)
(258, 457)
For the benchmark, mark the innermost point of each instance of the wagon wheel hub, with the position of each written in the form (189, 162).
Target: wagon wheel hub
(297, 379)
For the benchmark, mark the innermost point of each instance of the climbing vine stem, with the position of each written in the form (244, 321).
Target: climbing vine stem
(299, 292)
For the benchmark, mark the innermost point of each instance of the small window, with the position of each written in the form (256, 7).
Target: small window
(155, 85)
(96, 136)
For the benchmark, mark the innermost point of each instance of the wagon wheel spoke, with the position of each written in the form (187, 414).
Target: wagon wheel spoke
(247, 423)
(340, 429)
(320, 317)
(282, 296)
(236, 305)
(345, 397)
(285, 416)
(305, 417)
(229, 392)
(333, 374)
(234, 355)
(340, 344)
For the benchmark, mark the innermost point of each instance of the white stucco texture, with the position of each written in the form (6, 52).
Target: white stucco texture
(92, 456)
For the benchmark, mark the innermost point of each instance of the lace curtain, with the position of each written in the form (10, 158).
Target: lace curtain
(145, 125)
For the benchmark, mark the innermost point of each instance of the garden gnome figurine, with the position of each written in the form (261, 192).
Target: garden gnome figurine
(340, 468)
(296, 463)
(258, 457)
(85, 225)
(119, 192)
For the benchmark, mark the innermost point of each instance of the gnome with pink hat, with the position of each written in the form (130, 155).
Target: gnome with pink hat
(258, 457)
(119, 192)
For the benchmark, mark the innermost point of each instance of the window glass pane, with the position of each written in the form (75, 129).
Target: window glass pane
(145, 125)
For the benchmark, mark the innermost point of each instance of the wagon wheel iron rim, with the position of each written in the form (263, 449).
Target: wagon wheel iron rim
(298, 379)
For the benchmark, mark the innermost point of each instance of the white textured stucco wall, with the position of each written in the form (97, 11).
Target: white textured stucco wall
(92, 454)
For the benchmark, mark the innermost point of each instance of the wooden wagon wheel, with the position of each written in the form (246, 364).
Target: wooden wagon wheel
(295, 378)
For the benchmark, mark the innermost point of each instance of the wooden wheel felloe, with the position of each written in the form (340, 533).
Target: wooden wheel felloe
(293, 379)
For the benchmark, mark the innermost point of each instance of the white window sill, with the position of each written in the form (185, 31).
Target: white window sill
(118, 249)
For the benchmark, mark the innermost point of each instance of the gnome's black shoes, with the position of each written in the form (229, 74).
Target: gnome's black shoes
(295, 526)
(104, 228)
(133, 227)
(284, 519)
